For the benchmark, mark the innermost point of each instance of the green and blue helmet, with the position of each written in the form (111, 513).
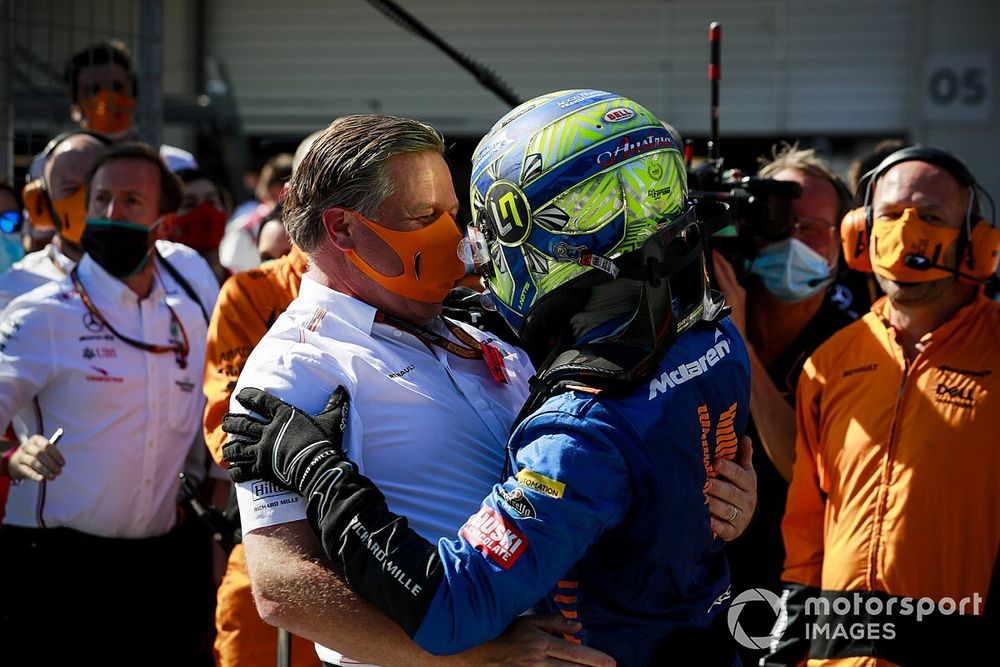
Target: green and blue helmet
(565, 189)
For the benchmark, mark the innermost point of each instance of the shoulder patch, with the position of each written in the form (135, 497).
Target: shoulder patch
(489, 533)
(518, 503)
(540, 483)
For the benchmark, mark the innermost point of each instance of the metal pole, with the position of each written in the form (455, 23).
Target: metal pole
(714, 74)
(151, 71)
(284, 648)
(7, 89)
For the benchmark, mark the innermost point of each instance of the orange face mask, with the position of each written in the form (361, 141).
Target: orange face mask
(901, 246)
(429, 255)
(107, 112)
(71, 215)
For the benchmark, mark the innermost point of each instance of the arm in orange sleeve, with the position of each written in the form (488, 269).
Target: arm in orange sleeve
(802, 526)
(236, 328)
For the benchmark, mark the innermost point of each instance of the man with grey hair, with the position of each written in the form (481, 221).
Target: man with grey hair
(373, 205)
(366, 318)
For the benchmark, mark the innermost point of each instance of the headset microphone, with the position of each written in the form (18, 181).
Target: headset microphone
(921, 263)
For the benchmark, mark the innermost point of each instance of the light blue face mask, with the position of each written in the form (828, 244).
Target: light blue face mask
(11, 250)
(791, 270)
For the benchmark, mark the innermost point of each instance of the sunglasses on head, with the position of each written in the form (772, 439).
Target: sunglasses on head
(10, 221)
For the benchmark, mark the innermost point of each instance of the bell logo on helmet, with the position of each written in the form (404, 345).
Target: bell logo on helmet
(619, 115)
(508, 209)
(584, 179)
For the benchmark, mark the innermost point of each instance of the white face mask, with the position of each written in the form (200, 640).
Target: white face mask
(791, 270)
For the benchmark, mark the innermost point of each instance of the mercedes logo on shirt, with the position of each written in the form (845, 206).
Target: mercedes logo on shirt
(91, 322)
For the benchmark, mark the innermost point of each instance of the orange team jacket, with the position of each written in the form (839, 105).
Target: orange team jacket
(248, 304)
(896, 484)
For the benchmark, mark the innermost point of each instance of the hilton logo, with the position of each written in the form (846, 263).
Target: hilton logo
(266, 490)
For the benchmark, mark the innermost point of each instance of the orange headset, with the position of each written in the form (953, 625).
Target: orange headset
(978, 255)
(35, 195)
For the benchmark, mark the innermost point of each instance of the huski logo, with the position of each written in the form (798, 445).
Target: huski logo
(503, 544)
(692, 369)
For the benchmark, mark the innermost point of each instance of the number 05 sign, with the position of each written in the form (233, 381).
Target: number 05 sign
(958, 87)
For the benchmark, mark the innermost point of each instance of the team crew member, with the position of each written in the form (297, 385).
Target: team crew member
(110, 357)
(651, 586)
(249, 302)
(894, 492)
(789, 305)
(58, 199)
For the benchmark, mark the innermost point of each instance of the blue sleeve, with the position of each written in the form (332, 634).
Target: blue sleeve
(570, 485)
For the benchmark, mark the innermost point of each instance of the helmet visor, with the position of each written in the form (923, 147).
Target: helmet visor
(474, 249)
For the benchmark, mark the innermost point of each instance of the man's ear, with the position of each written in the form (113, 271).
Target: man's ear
(166, 226)
(337, 223)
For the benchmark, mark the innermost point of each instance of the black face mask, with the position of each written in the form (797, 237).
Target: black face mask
(120, 247)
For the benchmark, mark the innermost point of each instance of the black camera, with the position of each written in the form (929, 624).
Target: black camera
(758, 208)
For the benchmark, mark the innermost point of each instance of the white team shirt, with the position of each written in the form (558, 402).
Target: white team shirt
(129, 416)
(33, 270)
(429, 427)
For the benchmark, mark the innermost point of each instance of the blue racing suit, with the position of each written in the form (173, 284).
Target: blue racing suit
(603, 519)
(608, 504)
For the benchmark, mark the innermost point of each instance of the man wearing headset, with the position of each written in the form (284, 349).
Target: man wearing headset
(110, 357)
(893, 504)
(57, 200)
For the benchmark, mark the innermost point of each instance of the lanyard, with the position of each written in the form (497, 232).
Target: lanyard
(180, 349)
(470, 348)
(55, 261)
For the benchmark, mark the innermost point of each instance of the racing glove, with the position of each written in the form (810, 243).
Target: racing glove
(284, 445)
(383, 559)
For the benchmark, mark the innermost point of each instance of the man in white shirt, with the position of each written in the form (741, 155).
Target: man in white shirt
(432, 400)
(111, 356)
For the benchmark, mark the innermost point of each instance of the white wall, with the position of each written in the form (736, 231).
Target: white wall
(963, 30)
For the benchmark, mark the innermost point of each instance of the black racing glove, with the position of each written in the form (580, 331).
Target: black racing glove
(283, 445)
(383, 559)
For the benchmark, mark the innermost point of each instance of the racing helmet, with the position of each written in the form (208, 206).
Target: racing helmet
(576, 188)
